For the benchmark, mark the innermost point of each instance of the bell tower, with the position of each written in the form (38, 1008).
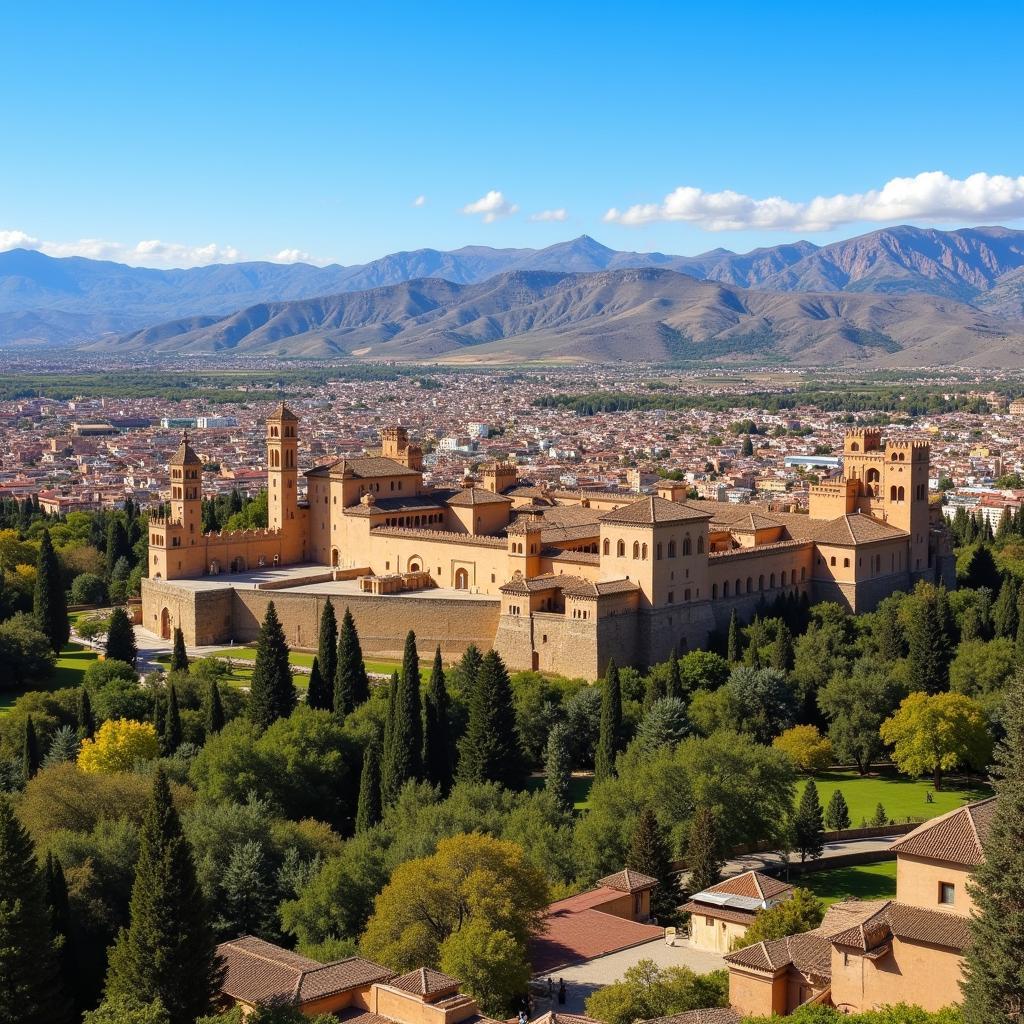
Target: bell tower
(282, 467)
(186, 491)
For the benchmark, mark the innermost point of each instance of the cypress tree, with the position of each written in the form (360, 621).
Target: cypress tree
(117, 543)
(611, 724)
(389, 726)
(780, 654)
(316, 692)
(179, 658)
(351, 683)
(60, 926)
(558, 766)
(30, 757)
(930, 645)
(214, 710)
(168, 951)
(888, 631)
(993, 985)
(49, 602)
(121, 638)
(654, 690)
(171, 738)
(837, 813)
(327, 654)
(1005, 618)
(674, 685)
(30, 982)
(489, 750)
(648, 853)
(160, 714)
(703, 857)
(468, 670)
(808, 824)
(734, 647)
(272, 693)
(368, 810)
(404, 754)
(437, 747)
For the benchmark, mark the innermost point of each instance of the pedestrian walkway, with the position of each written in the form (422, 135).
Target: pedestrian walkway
(773, 862)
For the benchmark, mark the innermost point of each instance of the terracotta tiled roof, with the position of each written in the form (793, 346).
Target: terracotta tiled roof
(472, 496)
(752, 884)
(651, 510)
(260, 972)
(715, 1015)
(282, 412)
(552, 1017)
(719, 913)
(185, 456)
(912, 924)
(425, 982)
(354, 1015)
(381, 506)
(363, 467)
(628, 880)
(537, 584)
(587, 588)
(856, 529)
(956, 836)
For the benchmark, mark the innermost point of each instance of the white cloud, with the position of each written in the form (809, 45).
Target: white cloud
(930, 196)
(150, 252)
(420, 201)
(559, 214)
(492, 207)
(293, 256)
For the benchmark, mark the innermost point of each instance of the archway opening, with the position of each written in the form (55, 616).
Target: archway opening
(461, 579)
(165, 624)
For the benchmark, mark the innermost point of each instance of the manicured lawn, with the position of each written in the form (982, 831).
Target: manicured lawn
(864, 882)
(901, 797)
(383, 668)
(69, 671)
(579, 789)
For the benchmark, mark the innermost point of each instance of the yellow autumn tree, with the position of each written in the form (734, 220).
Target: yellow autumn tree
(117, 745)
(809, 750)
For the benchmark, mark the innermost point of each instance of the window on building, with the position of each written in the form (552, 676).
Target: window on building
(687, 548)
(947, 893)
(671, 549)
(620, 549)
(643, 552)
(714, 591)
(832, 560)
(606, 547)
(636, 549)
(846, 563)
(671, 597)
(700, 545)
(657, 551)
(686, 595)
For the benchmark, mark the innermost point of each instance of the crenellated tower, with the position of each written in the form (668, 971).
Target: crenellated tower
(282, 467)
(186, 491)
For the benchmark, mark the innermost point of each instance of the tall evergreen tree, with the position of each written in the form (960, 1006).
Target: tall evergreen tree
(171, 737)
(930, 645)
(437, 745)
(780, 653)
(316, 692)
(654, 690)
(246, 901)
(558, 766)
(327, 654)
(118, 545)
(389, 720)
(888, 631)
(60, 927)
(272, 692)
(703, 853)
(30, 756)
(368, 810)
(993, 984)
(490, 749)
(214, 720)
(808, 824)
(734, 646)
(648, 853)
(168, 951)
(121, 638)
(30, 984)
(403, 761)
(468, 670)
(674, 683)
(837, 813)
(179, 657)
(351, 683)
(49, 601)
(609, 737)
(1005, 617)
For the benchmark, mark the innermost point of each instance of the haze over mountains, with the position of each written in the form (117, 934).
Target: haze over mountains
(900, 295)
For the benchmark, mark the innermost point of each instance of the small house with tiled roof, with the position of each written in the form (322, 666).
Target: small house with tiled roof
(721, 914)
(869, 954)
(355, 990)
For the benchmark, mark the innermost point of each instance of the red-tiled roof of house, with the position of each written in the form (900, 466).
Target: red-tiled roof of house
(260, 972)
(711, 1015)
(425, 982)
(912, 924)
(752, 884)
(956, 836)
(652, 510)
(628, 880)
(729, 914)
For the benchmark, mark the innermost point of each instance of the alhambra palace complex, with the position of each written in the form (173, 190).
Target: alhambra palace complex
(558, 581)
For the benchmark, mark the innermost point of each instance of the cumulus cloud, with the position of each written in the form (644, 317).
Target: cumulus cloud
(420, 201)
(930, 196)
(150, 252)
(293, 256)
(491, 207)
(559, 214)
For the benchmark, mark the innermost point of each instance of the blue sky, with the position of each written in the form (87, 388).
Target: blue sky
(214, 130)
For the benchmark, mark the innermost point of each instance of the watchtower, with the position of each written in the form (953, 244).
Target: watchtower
(282, 467)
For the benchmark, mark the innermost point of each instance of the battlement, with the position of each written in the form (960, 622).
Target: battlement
(862, 439)
(467, 540)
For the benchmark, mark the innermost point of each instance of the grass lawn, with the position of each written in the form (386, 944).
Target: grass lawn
(863, 882)
(901, 797)
(579, 789)
(69, 671)
(374, 667)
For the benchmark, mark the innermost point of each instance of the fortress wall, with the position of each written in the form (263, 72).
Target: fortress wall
(204, 616)
(382, 621)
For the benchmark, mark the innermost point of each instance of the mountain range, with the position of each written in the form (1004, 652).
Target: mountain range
(901, 295)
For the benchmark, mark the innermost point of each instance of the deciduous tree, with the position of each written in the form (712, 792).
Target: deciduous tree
(809, 750)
